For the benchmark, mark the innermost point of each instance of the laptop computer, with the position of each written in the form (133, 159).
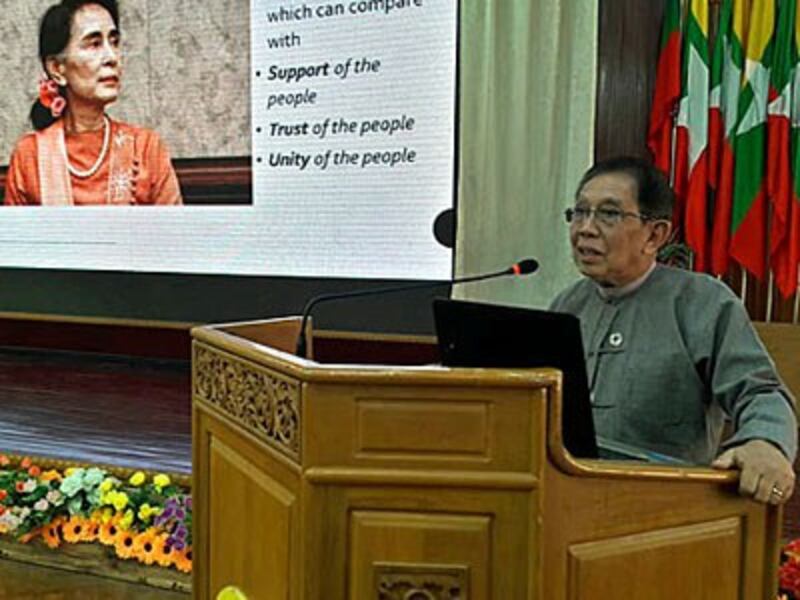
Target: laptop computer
(474, 334)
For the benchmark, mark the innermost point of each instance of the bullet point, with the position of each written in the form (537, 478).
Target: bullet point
(258, 129)
(258, 73)
(258, 159)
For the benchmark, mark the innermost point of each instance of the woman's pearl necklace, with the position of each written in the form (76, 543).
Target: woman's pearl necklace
(96, 166)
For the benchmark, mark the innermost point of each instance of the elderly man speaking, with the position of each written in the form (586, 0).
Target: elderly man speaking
(669, 353)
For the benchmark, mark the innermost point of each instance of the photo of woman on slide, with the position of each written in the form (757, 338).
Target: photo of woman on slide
(77, 154)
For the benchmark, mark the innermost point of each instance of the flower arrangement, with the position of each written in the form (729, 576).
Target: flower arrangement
(149, 520)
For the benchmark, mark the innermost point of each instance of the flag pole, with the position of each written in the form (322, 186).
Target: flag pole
(743, 291)
(796, 318)
(770, 291)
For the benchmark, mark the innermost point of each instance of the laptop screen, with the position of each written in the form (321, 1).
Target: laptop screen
(473, 334)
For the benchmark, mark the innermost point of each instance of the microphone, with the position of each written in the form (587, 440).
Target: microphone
(523, 267)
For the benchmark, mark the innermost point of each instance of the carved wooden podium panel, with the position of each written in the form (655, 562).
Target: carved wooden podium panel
(344, 482)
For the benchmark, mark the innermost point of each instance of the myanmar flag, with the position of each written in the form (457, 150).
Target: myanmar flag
(727, 64)
(668, 88)
(749, 213)
(780, 183)
(691, 176)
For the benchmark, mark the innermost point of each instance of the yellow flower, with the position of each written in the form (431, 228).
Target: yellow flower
(120, 500)
(145, 512)
(127, 520)
(107, 484)
(137, 478)
(70, 471)
(161, 480)
(106, 515)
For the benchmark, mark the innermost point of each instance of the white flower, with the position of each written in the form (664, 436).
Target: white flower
(29, 486)
(55, 497)
(42, 505)
(24, 512)
(9, 521)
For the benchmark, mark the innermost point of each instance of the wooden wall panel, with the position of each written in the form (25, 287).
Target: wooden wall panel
(628, 52)
(123, 337)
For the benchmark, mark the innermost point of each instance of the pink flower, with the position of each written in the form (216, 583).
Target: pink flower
(50, 97)
(25, 487)
(57, 106)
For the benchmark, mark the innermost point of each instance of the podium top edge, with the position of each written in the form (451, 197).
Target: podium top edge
(309, 370)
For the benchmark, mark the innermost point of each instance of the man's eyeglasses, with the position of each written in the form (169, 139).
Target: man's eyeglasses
(606, 216)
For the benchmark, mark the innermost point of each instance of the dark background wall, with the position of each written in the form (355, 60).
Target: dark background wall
(205, 299)
(629, 37)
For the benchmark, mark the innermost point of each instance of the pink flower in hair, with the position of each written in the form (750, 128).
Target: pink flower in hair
(50, 97)
(50, 87)
(57, 107)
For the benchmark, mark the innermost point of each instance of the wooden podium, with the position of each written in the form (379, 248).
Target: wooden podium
(329, 481)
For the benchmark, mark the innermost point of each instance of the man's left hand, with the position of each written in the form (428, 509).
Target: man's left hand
(766, 474)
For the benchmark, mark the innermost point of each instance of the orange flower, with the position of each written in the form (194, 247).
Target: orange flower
(108, 533)
(24, 539)
(51, 533)
(75, 529)
(124, 544)
(25, 463)
(165, 554)
(20, 487)
(51, 476)
(183, 560)
(34, 471)
(4, 461)
(92, 531)
(2, 510)
(3, 495)
(144, 547)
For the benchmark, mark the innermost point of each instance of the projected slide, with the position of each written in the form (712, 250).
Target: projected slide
(352, 144)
